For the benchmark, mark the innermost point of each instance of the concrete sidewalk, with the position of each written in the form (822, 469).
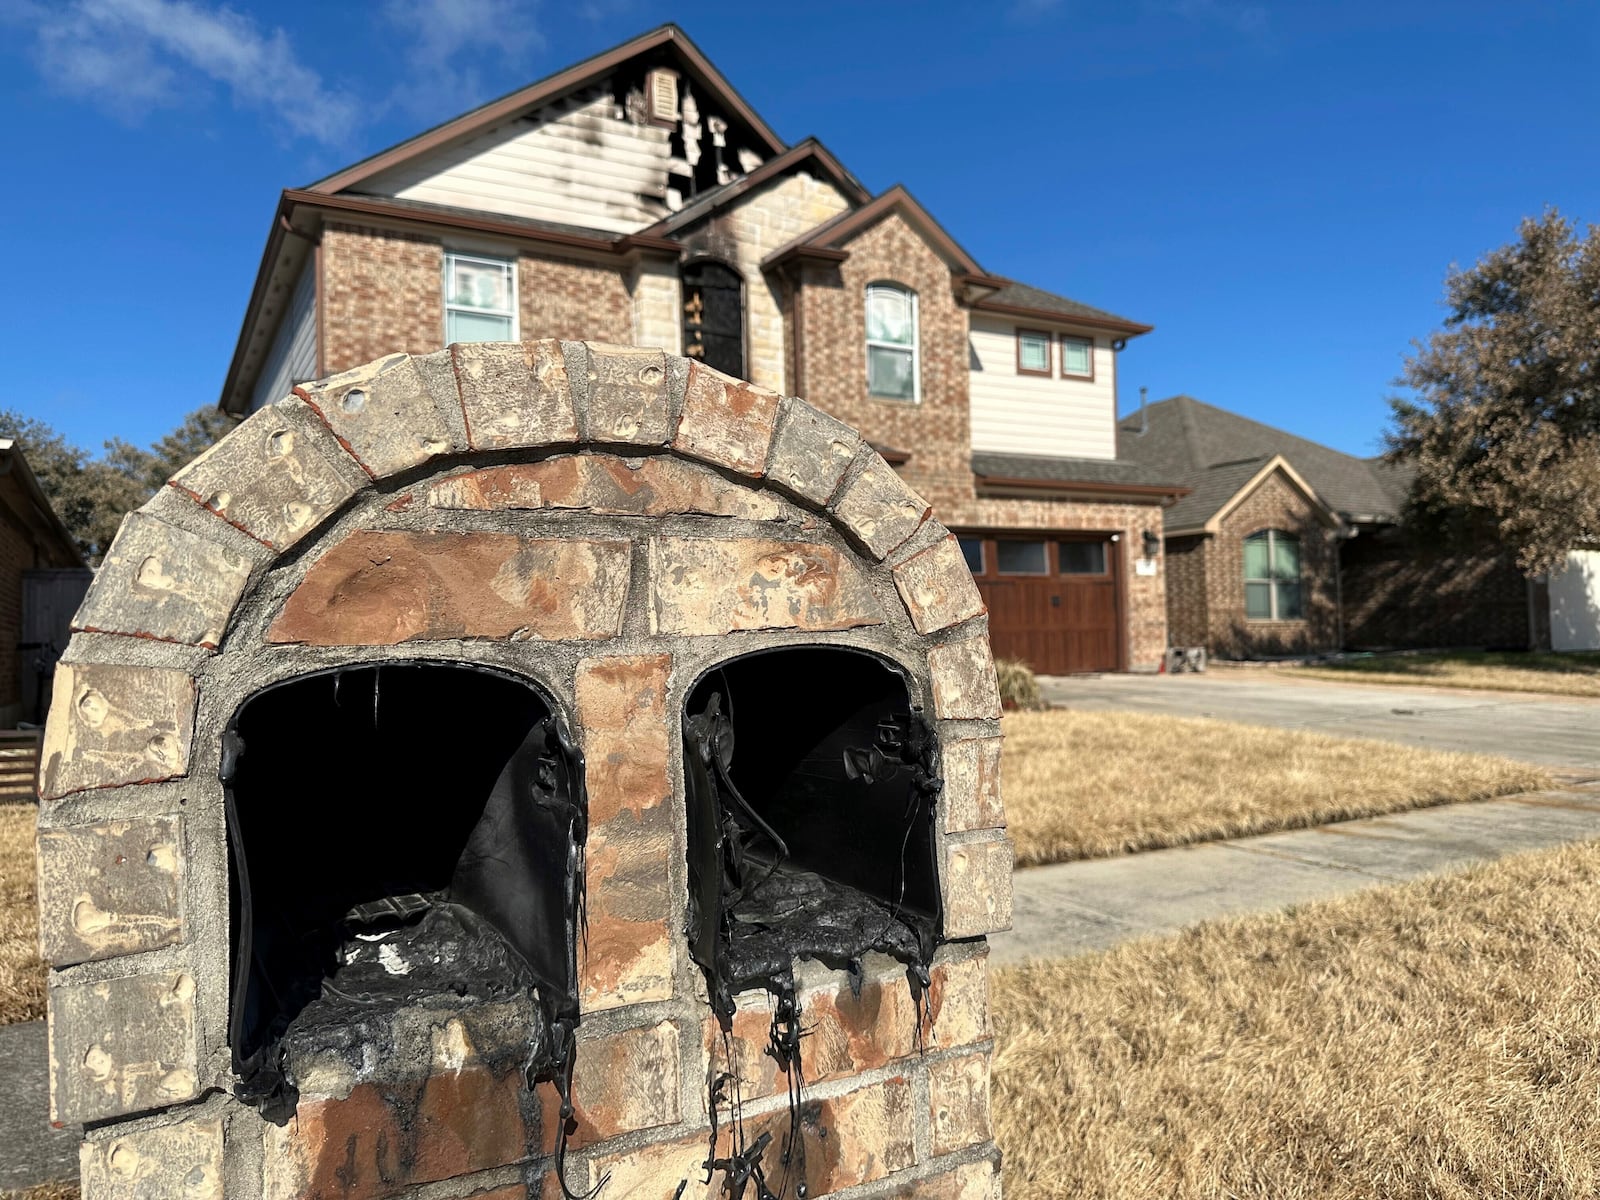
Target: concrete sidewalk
(1072, 908)
(30, 1151)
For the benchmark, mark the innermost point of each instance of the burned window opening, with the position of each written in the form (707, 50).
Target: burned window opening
(398, 832)
(713, 316)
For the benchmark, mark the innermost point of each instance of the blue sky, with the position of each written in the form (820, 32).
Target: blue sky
(1278, 187)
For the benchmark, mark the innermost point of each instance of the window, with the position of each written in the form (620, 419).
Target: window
(1077, 357)
(480, 299)
(1272, 576)
(892, 342)
(1082, 558)
(972, 551)
(713, 316)
(1033, 352)
(1021, 558)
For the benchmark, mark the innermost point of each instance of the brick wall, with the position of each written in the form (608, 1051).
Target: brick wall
(1400, 594)
(1188, 613)
(578, 301)
(382, 292)
(16, 556)
(830, 310)
(1275, 504)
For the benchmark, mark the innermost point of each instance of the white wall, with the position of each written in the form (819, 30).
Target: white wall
(1575, 603)
(575, 163)
(1031, 414)
(293, 356)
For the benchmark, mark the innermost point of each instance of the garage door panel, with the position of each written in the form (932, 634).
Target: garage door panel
(1057, 623)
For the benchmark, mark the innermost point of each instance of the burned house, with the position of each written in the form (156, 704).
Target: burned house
(527, 770)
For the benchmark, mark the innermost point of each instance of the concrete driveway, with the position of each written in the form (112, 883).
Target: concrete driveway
(1554, 732)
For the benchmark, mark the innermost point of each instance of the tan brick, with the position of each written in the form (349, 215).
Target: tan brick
(726, 421)
(382, 291)
(276, 476)
(632, 910)
(964, 686)
(879, 509)
(851, 1139)
(958, 1101)
(382, 588)
(706, 586)
(958, 1002)
(654, 1172)
(969, 1181)
(111, 725)
(937, 587)
(514, 394)
(121, 1046)
(627, 734)
(811, 452)
(384, 414)
(110, 889)
(159, 581)
(977, 887)
(625, 1082)
(602, 483)
(972, 796)
(177, 1162)
(628, 397)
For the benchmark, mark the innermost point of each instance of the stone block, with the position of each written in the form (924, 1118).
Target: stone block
(383, 413)
(968, 1181)
(111, 725)
(632, 908)
(958, 1002)
(382, 588)
(972, 796)
(705, 586)
(878, 509)
(964, 684)
(277, 476)
(602, 483)
(628, 397)
(514, 394)
(121, 1046)
(977, 887)
(850, 1140)
(672, 1170)
(177, 1162)
(159, 581)
(625, 1082)
(937, 587)
(110, 889)
(811, 452)
(627, 734)
(958, 1103)
(726, 421)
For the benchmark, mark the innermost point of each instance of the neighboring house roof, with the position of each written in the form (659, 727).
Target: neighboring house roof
(1218, 453)
(1084, 474)
(1018, 299)
(36, 511)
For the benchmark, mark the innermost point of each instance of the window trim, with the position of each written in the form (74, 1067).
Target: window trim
(1076, 337)
(508, 260)
(1048, 369)
(915, 347)
(983, 553)
(1272, 535)
(1105, 557)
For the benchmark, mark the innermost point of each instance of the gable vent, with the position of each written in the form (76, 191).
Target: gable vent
(664, 96)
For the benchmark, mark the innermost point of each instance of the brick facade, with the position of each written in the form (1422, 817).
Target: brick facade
(16, 556)
(382, 293)
(566, 298)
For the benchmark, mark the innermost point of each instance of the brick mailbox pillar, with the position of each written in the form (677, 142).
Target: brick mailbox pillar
(526, 766)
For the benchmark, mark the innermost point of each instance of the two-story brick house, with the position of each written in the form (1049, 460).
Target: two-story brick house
(637, 198)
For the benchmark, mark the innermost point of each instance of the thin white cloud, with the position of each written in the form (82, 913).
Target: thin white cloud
(456, 48)
(134, 55)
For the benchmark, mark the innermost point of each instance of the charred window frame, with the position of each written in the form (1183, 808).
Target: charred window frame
(713, 315)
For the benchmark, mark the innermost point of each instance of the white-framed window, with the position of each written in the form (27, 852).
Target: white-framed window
(1033, 352)
(1272, 576)
(1077, 357)
(892, 367)
(480, 298)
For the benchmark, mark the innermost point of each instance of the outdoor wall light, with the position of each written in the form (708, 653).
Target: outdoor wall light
(1152, 543)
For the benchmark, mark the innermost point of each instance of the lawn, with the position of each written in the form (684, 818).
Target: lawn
(1572, 674)
(1087, 785)
(1436, 1039)
(46, 1191)
(21, 972)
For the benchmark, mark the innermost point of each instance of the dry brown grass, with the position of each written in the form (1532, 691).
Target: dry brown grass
(21, 972)
(45, 1191)
(1438, 1039)
(1576, 674)
(1086, 785)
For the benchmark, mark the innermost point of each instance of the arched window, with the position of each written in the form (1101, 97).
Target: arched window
(892, 361)
(713, 316)
(1272, 576)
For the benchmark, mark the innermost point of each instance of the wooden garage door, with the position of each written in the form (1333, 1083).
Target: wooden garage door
(1053, 602)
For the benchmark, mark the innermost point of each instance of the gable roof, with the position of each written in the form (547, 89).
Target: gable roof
(56, 545)
(810, 154)
(1018, 299)
(826, 239)
(1220, 454)
(553, 87)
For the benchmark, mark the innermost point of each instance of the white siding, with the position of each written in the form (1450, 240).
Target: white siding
(293, 357)
(575, 163)
(1575, 603)
(1030, 414)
